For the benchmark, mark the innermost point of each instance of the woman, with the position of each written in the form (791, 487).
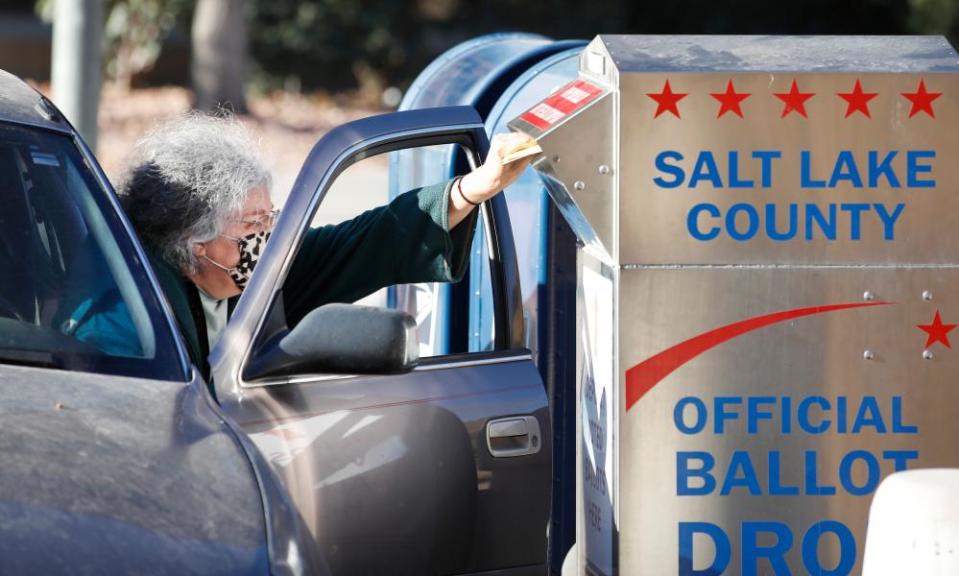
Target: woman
(199, 198)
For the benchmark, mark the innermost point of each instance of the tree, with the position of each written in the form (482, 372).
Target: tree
(135, 32)
(219, 65)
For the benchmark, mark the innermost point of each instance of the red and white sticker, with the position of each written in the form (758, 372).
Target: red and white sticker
(565, 101)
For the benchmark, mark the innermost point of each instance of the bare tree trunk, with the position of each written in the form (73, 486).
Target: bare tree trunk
(219, 54)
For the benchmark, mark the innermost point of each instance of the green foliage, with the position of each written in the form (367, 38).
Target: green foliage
(344, 43)
(935, 17)
(44, 9)
(133, 34)
(370, 44)
(332, 43)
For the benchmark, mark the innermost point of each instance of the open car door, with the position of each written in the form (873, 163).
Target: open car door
(443, 469)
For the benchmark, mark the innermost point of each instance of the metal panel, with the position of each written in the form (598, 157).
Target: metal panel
(812, 304)
(900, 54)
(822, 355)
(579, 152)
(655, 218)
(758, 183)
(597, 526)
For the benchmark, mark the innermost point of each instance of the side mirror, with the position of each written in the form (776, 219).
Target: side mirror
(341, 339)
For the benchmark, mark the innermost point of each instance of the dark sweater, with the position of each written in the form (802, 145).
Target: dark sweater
(403, 242)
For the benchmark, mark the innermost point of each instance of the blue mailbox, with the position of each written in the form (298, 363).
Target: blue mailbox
(501, 75)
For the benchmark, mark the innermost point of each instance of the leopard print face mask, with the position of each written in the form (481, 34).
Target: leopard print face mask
(250, 246)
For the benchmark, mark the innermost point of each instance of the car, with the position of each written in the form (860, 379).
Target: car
(115, 458)
(325, 450)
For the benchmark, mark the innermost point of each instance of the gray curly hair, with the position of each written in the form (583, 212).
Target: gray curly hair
(189, 176)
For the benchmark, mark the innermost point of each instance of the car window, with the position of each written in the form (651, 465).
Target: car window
(365, 186)
(440, 331)
(72, 291)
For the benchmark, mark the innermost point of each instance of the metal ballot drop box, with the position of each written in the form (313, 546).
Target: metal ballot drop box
(767, 291)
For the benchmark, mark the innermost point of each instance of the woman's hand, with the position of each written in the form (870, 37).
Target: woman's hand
(492, 177)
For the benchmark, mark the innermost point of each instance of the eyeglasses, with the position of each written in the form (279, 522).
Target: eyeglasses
(261, 221)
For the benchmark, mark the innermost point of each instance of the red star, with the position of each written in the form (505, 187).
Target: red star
(666, 100)
(795, 101)
(857, 100)
(937, 331)
(730, 100)
(922, 100)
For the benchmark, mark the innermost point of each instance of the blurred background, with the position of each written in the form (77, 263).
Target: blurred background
(295, 68)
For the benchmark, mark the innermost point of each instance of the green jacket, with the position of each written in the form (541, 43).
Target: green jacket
(403, 242)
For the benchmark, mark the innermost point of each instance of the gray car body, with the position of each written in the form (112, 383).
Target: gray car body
(112, 474)
(107, 474)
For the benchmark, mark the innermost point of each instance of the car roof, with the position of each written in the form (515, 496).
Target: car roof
(22, 104)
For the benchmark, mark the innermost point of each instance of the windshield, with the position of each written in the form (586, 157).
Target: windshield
(73, 294)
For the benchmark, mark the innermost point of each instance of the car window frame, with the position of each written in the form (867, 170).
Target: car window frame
(463, 127)
(122, 233)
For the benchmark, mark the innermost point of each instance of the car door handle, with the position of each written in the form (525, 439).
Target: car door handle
(513, 436)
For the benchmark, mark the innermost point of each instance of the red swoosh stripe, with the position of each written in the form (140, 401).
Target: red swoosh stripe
(641, 378)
